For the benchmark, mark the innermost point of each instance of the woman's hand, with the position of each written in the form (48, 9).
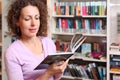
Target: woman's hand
(54, 70)
(57, 69)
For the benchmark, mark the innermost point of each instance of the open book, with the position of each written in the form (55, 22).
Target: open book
(76, 41)
(50, 59)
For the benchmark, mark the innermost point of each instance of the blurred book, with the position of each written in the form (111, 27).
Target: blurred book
(115, 47)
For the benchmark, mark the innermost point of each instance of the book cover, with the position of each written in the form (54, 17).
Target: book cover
(96, 70)
(62, 7)
(55, 8)
(59, 9)
(57, 43)
(93, 72)
(100, 70)
(70, 10)
(75, 70)
(63, 23)
(84, 9)
(78, 9)
(96, 8)
(67, 8)
(86, 48)
(70, 68)
(79, 24)
(50, 59)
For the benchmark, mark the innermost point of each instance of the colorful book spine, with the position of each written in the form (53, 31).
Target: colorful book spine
(62, 8)
(80, 8)
(84, 9)
(100, 8)
(59, 9)
(67, 8)
(55, 8)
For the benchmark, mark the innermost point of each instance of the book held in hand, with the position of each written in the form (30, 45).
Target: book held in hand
(76, 41)
(50, 59)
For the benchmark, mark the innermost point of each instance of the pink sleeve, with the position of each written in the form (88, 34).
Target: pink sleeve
(13, 68)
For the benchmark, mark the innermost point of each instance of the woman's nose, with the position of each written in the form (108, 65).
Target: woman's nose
(33, 22)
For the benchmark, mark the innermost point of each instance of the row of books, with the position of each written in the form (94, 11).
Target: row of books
(80, 8)
(84, 48)
(116, 77)
(81, 25)
(71, 45)
(93, 47)
(94, 50)
(61, 46)
(115, 63)
(115, 58)
(89, 71)
(115, 47)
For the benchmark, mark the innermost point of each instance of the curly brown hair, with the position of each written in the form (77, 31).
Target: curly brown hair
(14, 15)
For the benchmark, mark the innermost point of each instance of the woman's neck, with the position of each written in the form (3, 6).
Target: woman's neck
(33, 44)
(29, 41)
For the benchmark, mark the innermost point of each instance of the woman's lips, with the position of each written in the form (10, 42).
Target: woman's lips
(32, 30)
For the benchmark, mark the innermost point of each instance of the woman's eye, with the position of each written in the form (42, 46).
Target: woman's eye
(37, 18)
(27, 19)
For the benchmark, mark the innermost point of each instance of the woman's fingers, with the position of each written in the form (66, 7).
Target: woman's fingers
(59, 63)
(58, 68)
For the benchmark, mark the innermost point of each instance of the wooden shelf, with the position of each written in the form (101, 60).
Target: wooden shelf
(70, 77)
(94, 16)
(83, 16)
(85, 34)
(62, 33)
(63, 16)
(73, 78)
(112, 4)
(115, 52)
(113, 72)
(80, 56)
(99, 35)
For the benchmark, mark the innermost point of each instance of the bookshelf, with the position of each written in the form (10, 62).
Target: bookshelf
(113, 38)
(107, 34)
(68, 17)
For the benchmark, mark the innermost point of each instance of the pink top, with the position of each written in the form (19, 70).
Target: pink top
(20, 62)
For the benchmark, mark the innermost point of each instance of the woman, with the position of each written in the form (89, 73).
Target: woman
(28, 20)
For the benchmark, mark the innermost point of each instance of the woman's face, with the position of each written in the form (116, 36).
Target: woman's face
(29, 21)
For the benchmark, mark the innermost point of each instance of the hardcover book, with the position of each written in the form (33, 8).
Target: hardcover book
(76, 41)
(50, 59)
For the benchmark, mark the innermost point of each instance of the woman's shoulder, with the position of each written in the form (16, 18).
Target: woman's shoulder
(13, 46)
